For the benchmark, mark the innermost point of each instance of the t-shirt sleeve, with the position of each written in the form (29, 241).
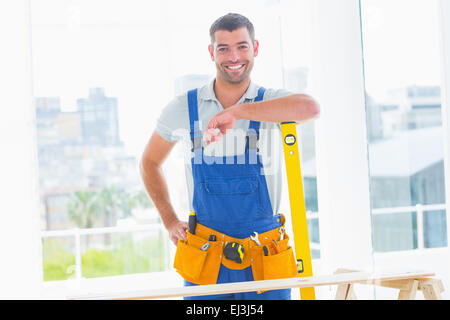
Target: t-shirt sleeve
(173, 121)
(278, 93)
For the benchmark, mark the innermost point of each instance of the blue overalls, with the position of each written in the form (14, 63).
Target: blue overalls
(231, 196)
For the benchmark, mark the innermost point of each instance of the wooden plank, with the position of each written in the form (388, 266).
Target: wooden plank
(345, 291)
(297, 282)
(425, 282)
(401, 284)
(432, 289)
(409, 294)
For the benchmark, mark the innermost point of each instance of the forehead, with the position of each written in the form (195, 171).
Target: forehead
(229, 38)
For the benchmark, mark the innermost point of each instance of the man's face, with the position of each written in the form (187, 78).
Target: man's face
(233, 53)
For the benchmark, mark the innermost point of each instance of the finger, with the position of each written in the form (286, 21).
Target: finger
(212, 124)
(217, 137)
(211, 135)
(207, 137)
(181, 233)
(174, 240)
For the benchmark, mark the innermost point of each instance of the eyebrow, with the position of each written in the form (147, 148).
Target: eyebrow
(226, 45)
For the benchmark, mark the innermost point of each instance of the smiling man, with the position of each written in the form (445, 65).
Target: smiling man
(235, 231)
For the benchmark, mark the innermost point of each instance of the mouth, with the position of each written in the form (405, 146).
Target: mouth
(234, 67)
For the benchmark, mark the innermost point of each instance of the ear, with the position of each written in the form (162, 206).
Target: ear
(211, 52)
(255, 48)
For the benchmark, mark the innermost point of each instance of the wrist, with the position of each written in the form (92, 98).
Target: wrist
(237, 110)
(169, 224)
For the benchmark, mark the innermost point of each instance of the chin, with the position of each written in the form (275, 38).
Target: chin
(237, 80)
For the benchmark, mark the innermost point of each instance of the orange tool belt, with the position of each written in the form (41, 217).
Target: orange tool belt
(201, 266)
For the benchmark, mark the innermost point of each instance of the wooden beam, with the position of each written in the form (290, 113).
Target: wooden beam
(345, 291)
(431, 289)
(409, 294)
(297, 282)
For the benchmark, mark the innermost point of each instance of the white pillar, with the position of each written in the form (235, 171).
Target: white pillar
(341, 138)
(444, 9)
(20, 267)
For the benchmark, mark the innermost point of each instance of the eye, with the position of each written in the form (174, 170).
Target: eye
(222, 49)
(243, 47)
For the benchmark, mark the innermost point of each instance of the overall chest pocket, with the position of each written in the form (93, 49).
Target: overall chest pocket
(231, 199)
(231, 186)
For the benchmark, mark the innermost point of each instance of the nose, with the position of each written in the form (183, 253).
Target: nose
(233, 55)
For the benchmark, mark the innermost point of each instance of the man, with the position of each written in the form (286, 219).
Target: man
(230, 190)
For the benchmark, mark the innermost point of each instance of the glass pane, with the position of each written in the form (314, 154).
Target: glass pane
(123, 253)
(58, 256)
(435, 229)
(94, 84)
(403, 104)
(402, 225)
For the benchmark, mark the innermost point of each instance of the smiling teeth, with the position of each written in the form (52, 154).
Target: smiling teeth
(234, 68)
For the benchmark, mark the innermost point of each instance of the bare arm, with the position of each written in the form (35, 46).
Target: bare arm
(155, 153)
(295, 107)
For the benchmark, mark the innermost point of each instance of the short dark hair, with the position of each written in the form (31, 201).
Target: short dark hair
(231, 22)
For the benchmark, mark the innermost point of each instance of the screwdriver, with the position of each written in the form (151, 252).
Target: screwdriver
(192, 222)
(275, 246)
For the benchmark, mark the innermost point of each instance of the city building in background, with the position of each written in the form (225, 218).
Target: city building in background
(80, 150)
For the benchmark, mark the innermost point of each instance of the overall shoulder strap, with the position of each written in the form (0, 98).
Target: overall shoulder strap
(255, 124)
(253, 128)
(193, 119)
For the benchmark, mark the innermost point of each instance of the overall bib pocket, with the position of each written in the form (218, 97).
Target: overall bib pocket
(231, 186)
(230, 199)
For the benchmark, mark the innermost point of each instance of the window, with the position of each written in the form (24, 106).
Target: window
(95, 73)
(404, 120)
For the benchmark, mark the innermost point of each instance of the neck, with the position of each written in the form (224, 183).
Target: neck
(228, 93)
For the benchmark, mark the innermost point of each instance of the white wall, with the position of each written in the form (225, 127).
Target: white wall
(20, 268)
(445, 100)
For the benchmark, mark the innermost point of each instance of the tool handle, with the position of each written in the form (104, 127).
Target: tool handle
(275, 246)
(192, 222)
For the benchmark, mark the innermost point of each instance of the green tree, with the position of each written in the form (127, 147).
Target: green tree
(110, 201)
(87, 207)
(141, 200)
(83, 208)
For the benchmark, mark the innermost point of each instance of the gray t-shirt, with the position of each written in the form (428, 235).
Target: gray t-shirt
(173, 125)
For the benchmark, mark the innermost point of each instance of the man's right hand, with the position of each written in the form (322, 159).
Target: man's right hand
(177, 231)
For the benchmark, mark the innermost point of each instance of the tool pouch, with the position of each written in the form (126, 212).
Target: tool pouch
(280, 265)
(275, 265)
(195, 265)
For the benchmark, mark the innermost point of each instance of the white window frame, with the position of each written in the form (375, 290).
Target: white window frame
(444, 9)
(21, 267)
(341, 138)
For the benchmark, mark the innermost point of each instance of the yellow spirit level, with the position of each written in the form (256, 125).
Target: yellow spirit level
(297, 203)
